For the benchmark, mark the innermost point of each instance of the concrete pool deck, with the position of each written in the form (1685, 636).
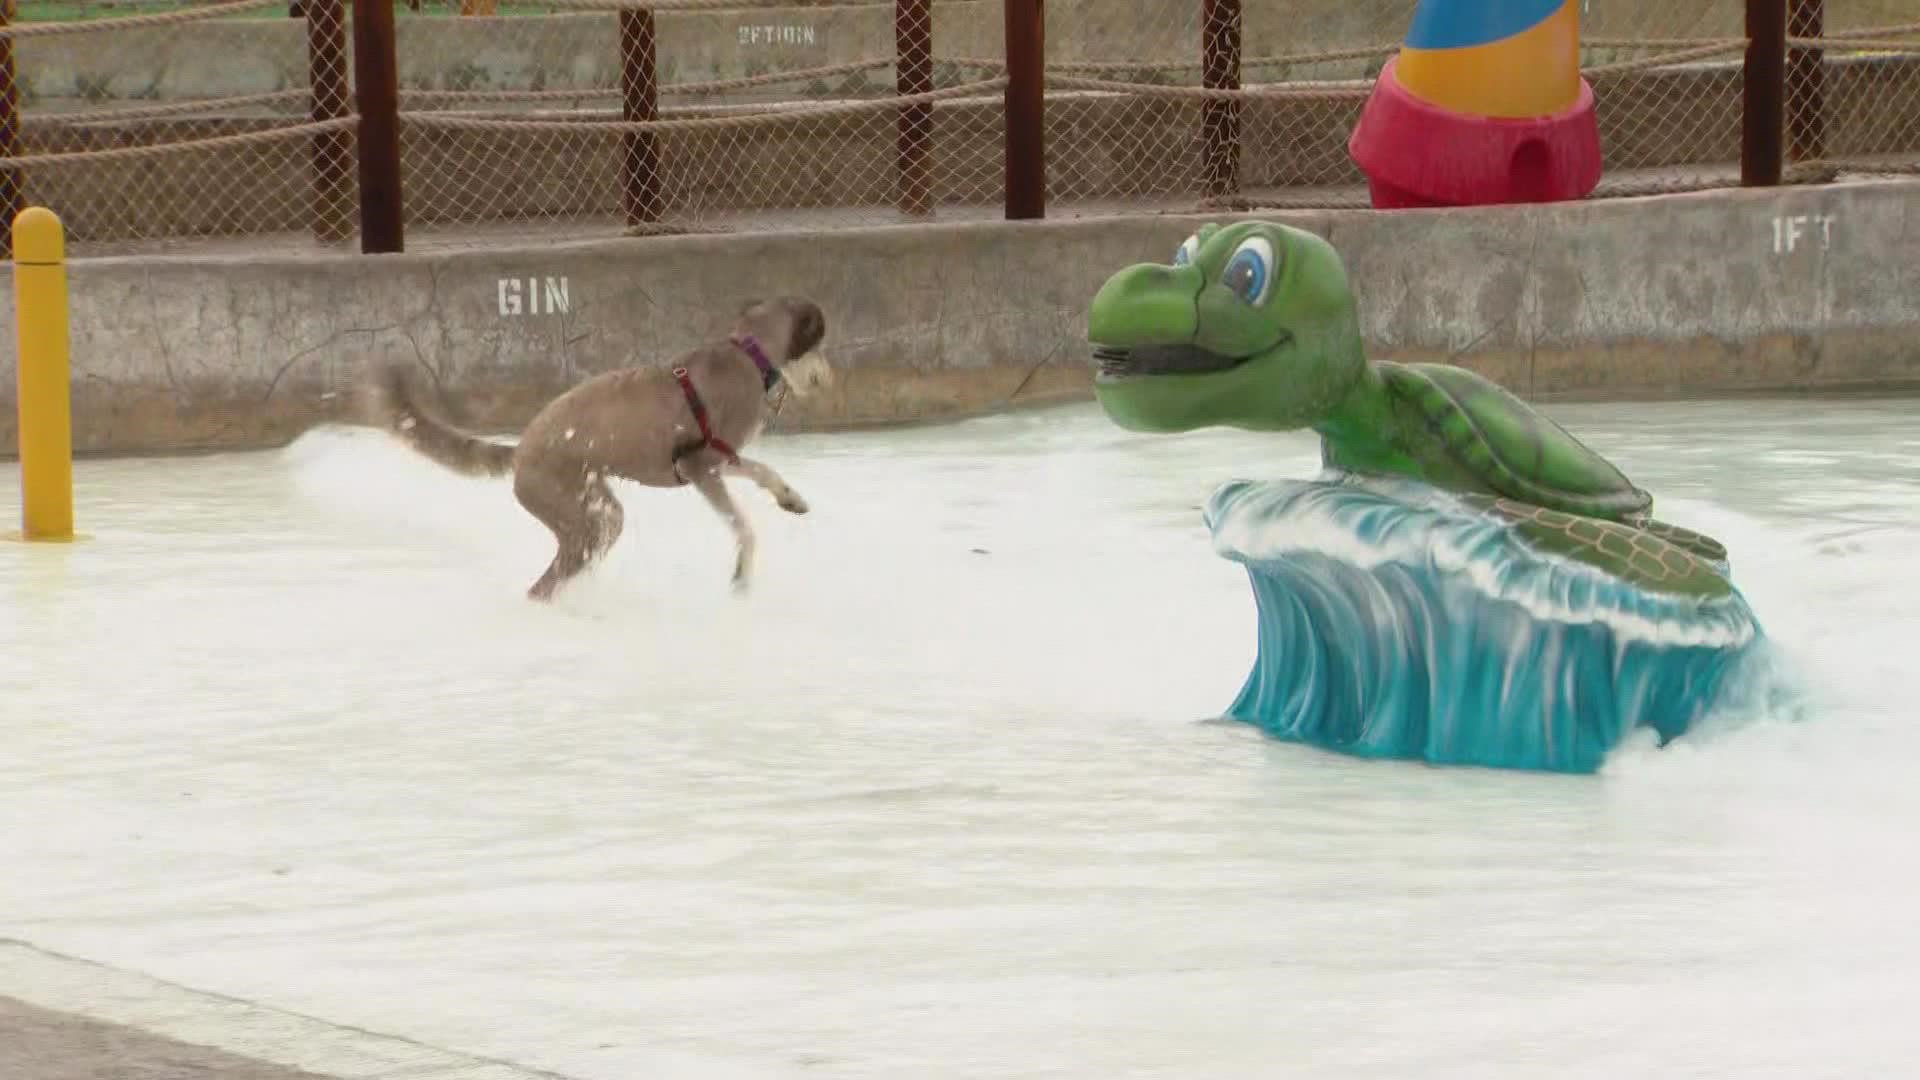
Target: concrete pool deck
(1711, 293)
(77, 1020)
(45, 1045)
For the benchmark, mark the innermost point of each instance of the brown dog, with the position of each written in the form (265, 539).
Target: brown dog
(662, 427)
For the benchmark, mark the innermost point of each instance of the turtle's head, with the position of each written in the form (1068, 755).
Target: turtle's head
(1251, 325)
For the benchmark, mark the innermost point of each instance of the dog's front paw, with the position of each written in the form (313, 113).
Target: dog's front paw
(792, 503)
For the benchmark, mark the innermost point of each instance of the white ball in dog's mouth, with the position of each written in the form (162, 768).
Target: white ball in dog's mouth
(807, 372)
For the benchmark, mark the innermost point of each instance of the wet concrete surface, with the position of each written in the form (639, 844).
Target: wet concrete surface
(42, 1044)
(65, 1017)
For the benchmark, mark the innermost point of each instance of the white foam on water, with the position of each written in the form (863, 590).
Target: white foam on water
(931, 799)
(1252, 530)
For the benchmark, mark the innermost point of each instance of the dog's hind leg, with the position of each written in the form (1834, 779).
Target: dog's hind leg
(712, 485)
(770, 482)
(608, 517)
(583, 515)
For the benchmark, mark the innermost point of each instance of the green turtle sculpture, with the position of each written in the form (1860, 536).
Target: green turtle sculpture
(1253, 325)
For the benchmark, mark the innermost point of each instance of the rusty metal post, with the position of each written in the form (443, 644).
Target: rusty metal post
(376, 91)
(1806, 82)
(1220, 117)
(12, 184)
(327, 100)
(1026, 115)
(1763, 108)
(913, 74)
(641, 183)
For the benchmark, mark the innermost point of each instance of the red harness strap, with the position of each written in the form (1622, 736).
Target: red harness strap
(707, 437)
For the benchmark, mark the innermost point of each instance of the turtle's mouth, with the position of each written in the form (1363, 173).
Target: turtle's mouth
(1124, 361)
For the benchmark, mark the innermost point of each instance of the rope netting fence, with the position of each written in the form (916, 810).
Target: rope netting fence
(155, 121)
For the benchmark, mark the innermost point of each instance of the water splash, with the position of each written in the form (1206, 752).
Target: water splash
(1394, 622)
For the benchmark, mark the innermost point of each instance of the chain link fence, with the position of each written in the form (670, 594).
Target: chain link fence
(1169, 101)
(1130, 109)
(162, 123)
(1853, 79)
(159, 122)
(697, 115)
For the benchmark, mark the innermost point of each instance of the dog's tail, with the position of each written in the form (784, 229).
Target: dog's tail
(397, 408)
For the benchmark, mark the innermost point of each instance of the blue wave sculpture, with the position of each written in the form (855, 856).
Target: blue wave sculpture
(1396, 621)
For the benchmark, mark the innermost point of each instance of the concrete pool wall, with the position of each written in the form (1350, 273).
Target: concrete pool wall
(1788, 289)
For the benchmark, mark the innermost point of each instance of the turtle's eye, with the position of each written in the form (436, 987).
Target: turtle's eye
(1251, 270)
(1187, 248)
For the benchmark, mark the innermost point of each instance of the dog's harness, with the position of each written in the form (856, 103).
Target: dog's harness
(769, 375)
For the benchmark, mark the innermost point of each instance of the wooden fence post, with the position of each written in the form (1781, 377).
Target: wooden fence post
(1807, 82)
(641, 182)
(1220, 117)
(913, 74)
(327, 100)
(376, 90)
(1026, 115)
(1762, 116)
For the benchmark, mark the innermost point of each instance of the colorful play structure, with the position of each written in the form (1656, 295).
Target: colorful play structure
(1483, 105)
(1465, 582)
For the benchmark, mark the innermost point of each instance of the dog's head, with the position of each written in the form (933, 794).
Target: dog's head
(790, 328)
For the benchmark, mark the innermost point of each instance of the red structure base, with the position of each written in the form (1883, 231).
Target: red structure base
(1416, 154)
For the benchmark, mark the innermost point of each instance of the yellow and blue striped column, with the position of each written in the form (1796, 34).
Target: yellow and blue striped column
(1484, 104)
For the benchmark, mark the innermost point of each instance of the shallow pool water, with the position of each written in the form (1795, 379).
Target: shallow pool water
(940, 797)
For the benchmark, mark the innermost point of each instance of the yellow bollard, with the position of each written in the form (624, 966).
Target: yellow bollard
(45, 383)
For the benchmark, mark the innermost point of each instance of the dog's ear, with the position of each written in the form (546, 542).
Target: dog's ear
(810, 325)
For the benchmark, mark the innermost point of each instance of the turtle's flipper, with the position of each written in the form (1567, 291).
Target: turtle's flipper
(1699, 543)
(1642, 557)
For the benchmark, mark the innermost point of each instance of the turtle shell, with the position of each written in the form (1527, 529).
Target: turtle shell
(1489, 433)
